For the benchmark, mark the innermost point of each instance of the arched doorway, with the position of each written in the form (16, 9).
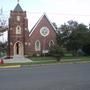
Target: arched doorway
(18, 48)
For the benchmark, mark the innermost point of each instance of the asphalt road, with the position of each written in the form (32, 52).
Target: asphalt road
(49, 77)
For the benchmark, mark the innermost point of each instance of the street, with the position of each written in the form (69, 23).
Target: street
(46, 77)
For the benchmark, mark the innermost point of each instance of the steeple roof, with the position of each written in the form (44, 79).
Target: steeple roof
(18, 8)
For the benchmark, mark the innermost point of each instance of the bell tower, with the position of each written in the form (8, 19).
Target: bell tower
(18, 30)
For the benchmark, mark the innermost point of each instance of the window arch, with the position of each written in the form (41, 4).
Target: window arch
(51, 43)
(37, 45)
(18, 18)
(18, 29)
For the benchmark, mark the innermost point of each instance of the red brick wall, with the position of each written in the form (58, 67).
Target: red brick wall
(37, 36)
(12, 37)
(28, 41)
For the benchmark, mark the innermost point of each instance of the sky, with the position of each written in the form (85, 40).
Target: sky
(58, 11)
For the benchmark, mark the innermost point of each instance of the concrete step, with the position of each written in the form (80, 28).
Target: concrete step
(18, 59)
(18, 56)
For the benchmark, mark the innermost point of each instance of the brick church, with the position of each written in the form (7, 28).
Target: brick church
(21, 41)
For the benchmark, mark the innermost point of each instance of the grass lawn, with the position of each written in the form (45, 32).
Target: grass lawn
(41, 58)
(82, 58)
(50, 60)
(31, 63)
(66, 58)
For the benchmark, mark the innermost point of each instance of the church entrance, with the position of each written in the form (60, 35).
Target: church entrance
(18, 48)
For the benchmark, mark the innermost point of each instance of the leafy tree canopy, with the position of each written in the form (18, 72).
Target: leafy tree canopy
(73, 36)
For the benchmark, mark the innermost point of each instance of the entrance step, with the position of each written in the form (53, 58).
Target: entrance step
(18, 56)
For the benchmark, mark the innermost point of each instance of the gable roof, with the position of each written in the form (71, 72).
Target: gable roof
(18, 8)
(35, 26)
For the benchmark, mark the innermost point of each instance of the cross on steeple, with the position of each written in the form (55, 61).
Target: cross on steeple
(18, 1)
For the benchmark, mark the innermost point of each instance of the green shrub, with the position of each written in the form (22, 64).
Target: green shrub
(57, 52)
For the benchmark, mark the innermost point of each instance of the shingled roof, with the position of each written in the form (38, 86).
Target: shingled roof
(18, 8)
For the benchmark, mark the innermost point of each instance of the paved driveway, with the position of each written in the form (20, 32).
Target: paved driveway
(50, 77)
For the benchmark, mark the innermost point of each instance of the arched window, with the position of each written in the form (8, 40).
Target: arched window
(51, 43)
(37, 45)
(18, 18)
(18, 29)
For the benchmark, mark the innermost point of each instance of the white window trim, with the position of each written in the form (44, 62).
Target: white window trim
(18, 18)
(50, 43)
(37, 49)
(26, 43)
(18, 29)
(42, 29)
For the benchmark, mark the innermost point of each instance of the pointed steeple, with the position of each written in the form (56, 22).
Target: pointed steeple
(18, 7)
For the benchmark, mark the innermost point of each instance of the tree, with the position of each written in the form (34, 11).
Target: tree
(73, 36)
(3, 28)
(3, 24)
(54, 24)
(86, 45)
(65, 30)
(56, 52)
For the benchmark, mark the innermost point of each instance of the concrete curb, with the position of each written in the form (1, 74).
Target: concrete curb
(11, 66)
(82, 62)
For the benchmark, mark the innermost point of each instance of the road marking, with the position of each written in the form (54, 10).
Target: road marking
(11, 66)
